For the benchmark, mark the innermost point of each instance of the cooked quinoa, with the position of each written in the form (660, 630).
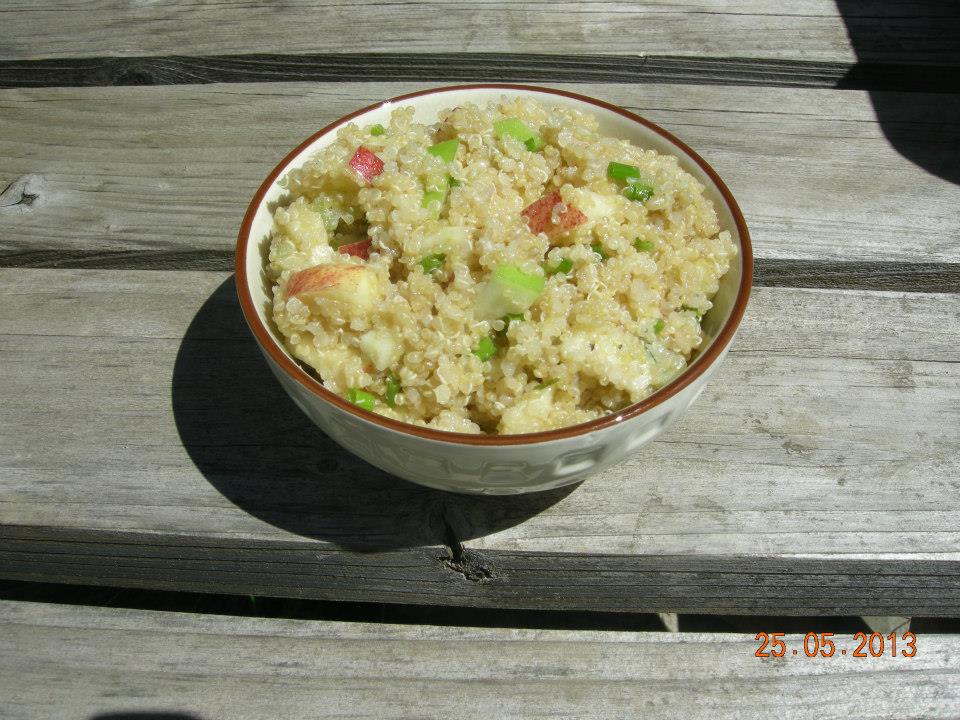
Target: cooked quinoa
(507, 269)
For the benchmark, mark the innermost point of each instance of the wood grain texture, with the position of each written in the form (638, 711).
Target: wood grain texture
(829, 431)
(171, 169)
(596, 582)
(68, 662)
(475, 67)
(810, 29)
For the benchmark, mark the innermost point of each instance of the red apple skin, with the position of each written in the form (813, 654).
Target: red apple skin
(358, 249)
(319, 278)
(366, 164)
(539, 216)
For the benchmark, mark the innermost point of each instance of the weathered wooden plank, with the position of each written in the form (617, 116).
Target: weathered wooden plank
(475, 67)
(172, 168)
(68, 662)
(706, 583)
(830, 430)
(811, 29)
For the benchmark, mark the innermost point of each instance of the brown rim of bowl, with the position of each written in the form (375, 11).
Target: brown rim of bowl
(271, 346)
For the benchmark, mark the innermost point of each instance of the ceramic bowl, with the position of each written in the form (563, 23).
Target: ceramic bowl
(491, 464)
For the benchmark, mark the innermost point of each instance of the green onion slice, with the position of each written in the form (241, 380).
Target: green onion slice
(393, 389)
(433, 262)
(485, 349)
(598, 249)
(563, 267)
(622, 172)
(638, 192)
(361, 398)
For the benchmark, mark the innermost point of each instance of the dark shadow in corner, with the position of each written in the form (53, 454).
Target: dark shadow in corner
(908, 57)
(263, 454)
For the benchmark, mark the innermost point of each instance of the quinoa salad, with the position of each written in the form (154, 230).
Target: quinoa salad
(507, 269)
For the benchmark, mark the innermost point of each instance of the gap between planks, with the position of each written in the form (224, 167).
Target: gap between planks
(475, 67)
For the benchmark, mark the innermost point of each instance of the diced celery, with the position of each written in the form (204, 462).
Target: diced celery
(519, 130)
(622, 172)
(393, 389)
(658, 326)
(361, 398)
(433, 262)
(485, 349)
(446, 150)
(377, 130)
(638, 192)
(643, 245)
(563, 267)
(509, 290)
(598, 249)
(331, 217)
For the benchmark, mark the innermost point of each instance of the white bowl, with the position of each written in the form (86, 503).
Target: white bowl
(494, 464)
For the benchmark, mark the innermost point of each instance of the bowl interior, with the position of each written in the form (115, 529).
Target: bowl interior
(427, 109)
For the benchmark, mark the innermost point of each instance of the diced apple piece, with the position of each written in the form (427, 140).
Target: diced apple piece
(358, 249)
(596, 206)
(540, 216)
(450, 240)
(351, 286)
(366, 164)
(508, 291)
(381, 347)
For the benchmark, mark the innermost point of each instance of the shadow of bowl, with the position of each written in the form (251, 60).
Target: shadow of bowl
(264, 455)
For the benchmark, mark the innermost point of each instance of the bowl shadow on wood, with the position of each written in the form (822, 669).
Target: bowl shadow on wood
(915, 103)
(256, 447)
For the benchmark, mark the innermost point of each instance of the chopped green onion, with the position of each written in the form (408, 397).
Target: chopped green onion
(547, 383)
(622, 172)
(361, 398)
(393, 389)
(433, 262)
(430, 196)
(638, 192)
(598, 249)
(509, 318)
(658, 326)
(485, 349)
(519, 130)
(563, 267)
(643, 245)
(452, 181)
(446, 150)
(377, 129)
